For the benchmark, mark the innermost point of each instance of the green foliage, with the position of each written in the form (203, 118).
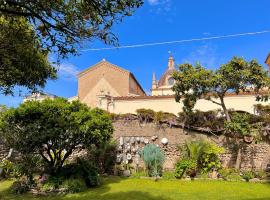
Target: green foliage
(21, 186)
(53, 127)
(185, 167)
(74, 185)
(88, 172)
(153, 158)
(168, 175)
(61, 25)
(204, 120)
(7, 167)
(261, 174)
(160, 117)
(104, 156)
(139, 174)
(23, 62)
(145, 115)
(149, 115)
(195, 82)
(230, 174)
(247, 175)
(53, 182)
(239, 124)
(204, 153)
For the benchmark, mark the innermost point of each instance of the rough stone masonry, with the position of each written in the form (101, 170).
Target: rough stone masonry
(254, 156)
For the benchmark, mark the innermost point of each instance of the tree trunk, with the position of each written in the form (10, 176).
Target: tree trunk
(239, 156)
(226, 112)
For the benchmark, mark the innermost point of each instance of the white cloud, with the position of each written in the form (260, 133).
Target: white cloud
(153, 2)
(68, 71)
(162, 7)
(206, 55)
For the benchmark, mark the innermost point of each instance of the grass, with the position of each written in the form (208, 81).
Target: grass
(144, 189)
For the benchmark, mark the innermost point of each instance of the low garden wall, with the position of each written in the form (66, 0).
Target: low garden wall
(254, 156)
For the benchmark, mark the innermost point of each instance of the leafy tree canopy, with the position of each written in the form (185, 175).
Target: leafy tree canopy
(62, 24)
(32, 29)
(22, 61)
(53, 129)
(238, 75)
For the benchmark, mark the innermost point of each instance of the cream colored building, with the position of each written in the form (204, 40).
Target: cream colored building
(116, 90)
(38, 96)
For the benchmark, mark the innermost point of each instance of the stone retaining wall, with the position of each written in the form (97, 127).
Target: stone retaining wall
(254, 156)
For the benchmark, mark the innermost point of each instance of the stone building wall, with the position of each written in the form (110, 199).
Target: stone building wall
(254, 156)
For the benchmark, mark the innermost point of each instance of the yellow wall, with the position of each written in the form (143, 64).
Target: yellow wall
(244, 103)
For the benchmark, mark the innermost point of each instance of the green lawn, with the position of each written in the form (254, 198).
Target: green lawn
(141, 189)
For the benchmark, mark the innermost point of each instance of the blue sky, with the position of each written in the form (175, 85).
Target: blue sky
(168, 20)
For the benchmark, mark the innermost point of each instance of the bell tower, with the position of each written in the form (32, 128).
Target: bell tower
(154, 81)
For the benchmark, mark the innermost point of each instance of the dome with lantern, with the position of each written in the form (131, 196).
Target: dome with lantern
(164, 84)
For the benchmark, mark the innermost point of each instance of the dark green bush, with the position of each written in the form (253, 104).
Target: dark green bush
(74, 185)
(21, 186)
(247, 175)
(104, 156)
(89, 172)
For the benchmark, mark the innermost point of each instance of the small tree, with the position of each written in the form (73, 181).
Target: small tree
(238, 75)
(239, 127)
(53, 129)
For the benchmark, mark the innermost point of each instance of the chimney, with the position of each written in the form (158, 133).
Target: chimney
(171, 62)
(154, 82)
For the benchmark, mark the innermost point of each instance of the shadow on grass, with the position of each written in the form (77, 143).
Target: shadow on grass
(130, 195)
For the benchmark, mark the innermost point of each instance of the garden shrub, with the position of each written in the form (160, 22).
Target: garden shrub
(145, 115)
(7, 168)
(230, 174)
(160, 117)
(260, 174)
(74, 185)
(81, 169)
(53, 128)
(88, 172)
(153, 158)
(247, 175)
(185, 167)
(204, 153)
(21, 186)
(104, 156)
(211, 120)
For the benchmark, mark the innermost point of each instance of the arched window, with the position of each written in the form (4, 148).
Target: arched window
(170, 81)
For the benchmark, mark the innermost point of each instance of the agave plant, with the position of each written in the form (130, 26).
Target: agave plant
(153, 158)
